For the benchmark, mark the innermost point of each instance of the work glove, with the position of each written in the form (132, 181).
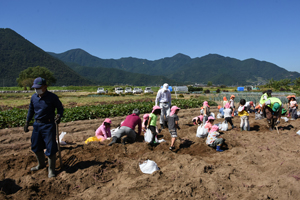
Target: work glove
(26, 127)
(57, 119)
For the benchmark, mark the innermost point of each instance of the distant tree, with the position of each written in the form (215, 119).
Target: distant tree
(218, 90)
(296, 83)
(27, 76)
(209, 83)
(223, 86)
(207, 91)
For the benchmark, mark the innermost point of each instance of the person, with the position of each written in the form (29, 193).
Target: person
(227, 114)
(128, 127)
(244, 115)
(266, 94)
(209, 123)
(173, 125)
(293, 108)
(206, 111)
(152, 122)
(225, 101)
(212, 139)
(145, 122)
(42, 106)
(163, 100)
(272, 108)
(231, 101)
(197, 120)
(103, 132)
(248, 106)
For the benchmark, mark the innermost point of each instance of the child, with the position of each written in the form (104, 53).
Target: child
(231, 101)
(242, 111)
(198, 120)
(173, 125)
(212, 139)
(206, 111)
(225, 101)
(152, 122)
(103, 132)
(209, 123)
(227, 114)
(145, 122)
(293, 107)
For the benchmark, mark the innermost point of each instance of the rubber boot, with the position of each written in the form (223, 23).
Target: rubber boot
(40, 156)
(241, 128)
(113, 140)
(219, 149)
(51, 168)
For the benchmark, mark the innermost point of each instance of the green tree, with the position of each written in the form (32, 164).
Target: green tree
(296, 83)
(209, 83)
(285, 83)
(27, 76)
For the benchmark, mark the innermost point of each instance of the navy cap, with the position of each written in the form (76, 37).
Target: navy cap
(39, 82)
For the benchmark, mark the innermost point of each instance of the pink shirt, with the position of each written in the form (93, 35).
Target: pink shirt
(102, 133)
(131, 121)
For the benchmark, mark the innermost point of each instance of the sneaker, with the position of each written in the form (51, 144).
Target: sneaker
(171, 148)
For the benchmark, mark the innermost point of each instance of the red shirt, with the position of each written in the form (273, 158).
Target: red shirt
(131, 121)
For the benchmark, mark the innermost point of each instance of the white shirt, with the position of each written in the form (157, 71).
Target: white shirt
(227, 112)
(212, 136)
(163, 96)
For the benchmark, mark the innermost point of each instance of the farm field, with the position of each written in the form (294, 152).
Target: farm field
(257, 165)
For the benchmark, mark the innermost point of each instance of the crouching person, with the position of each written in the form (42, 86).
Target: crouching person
(128, 127)
(272, 108)
(212, 139)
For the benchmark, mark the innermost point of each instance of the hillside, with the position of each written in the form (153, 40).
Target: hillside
(182, 68)
(17, 54)
(104, 76)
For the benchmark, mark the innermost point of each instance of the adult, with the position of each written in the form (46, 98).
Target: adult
(103, 132)
(272, 107)
(42, 106)
(267, 94)
(128, 127)
(163, 99)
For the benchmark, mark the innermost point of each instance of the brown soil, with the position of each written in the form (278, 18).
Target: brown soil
(259, 164)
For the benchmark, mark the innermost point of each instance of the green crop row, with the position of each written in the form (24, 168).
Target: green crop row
(17, 117)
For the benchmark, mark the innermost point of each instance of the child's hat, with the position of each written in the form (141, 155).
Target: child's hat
(211, 118)
(107, 120)
(174, 108)
(219, 107)
(232, 96)
(227, 105)
(224, 99)
(214, 128)
(205, 103)
(276, 107)
(146, 116)
(155, 108)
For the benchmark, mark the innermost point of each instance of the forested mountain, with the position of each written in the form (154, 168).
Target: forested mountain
(182, 68)
(17, 54)
(105, 76)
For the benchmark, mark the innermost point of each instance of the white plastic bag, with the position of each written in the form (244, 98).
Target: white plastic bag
(219, 116)
(113, 131)
(148, 136)
(61, 136)
(148, 166)
(285, 119)
(212, 114)
(258, 116)
(201, 112)
(224, 126)
(298, 132)
(201, 131)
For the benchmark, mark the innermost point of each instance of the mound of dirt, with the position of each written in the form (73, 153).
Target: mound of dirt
(258, 164)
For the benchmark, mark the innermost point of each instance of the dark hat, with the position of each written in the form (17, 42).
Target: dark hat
(39, 82)
(136, 111)
(269, 91)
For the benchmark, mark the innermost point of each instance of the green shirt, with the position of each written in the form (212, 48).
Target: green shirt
(153, 119)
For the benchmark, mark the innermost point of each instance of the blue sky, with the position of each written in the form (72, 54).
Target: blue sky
(266, 30)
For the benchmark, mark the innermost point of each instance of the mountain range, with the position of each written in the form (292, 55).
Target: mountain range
(78, 67)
